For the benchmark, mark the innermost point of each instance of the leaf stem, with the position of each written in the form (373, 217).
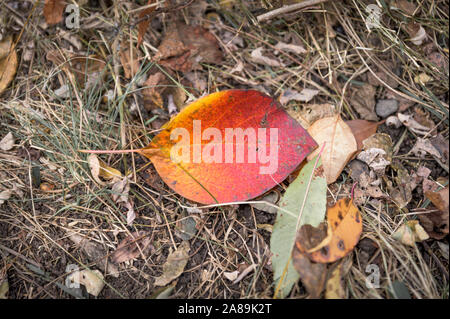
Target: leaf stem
(139, 150)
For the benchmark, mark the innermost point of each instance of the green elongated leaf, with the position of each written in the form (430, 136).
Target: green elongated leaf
(305, 198)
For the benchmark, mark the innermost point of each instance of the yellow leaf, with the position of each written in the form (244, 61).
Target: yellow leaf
(266, 227)
(422, 78)
(107, 172)
(410, 232)
(100, 169)
(334, 289)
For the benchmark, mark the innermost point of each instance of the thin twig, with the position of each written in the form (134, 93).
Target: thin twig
(285, 9)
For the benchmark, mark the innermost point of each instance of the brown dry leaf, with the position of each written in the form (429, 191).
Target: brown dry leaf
(423, 118)
(340, 145)
(87, 70)
(132, 247)
(436, 222)
(174, 265)
(120, 194)
(367, 182)
(297, 49)
(129, 58)
(440, 61)
(8, 64)
(362, 130)
(5, 195)
(7, 142)
(422, 174)
(53, 11)
(405, 5)
(335, 290)
(368, 187)
(120, 186)
(424, 147)
(305, 95)
(184, 47)
(258, 57)
(95, 253)
(438, 147)
(92, 280)
(179, 97)
(401, 193)
(442, 146)
(439, 199)
(231, 276)
(307, 114)
(131, 214)
(198, 80)
(410, 233)
(377, 152)
(363, 101)
(5, 47)
(312, 274)
(155, 85)
(143, 26)
(376, 159)
(382, 75)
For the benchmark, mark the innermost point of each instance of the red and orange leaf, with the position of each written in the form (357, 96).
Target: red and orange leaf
(345, 224)
(222, 182)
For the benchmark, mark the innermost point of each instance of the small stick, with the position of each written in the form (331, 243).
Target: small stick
(285, 9)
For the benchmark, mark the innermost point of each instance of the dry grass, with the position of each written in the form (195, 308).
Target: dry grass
(34, 226)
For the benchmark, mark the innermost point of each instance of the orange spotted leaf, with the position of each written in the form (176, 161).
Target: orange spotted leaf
(345, 224)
